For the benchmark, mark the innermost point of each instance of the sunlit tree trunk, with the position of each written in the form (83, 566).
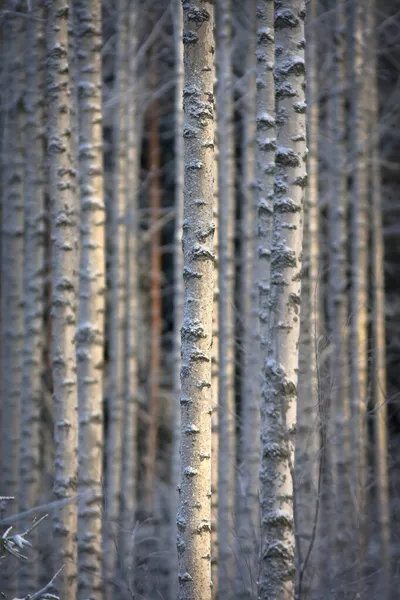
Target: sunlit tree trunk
(226, 313)
(359, 277)
(90, 333)
(178, 282)
(32, 388)
(249, 461)
(65, 265)
(194, 506)
(117, 315)
(131, 375)
(281, 322)
(12, 268)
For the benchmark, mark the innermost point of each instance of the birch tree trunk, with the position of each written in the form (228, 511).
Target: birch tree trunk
(12, 269)
(118, 292)
(248, 494)
(278, 407)
(378, 320)
(226, 314)
(90, 333)
(194, 507)
(131, 376)
(178, 280)
(359, 277)
(32, 388)
(65, 265)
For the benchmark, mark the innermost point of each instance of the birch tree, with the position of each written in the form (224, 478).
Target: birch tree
(65, 265)
(32, 389)
(178, 279)
(117, 286)
(278, 406)
(226, 314)
(193, 518)
(90, 333)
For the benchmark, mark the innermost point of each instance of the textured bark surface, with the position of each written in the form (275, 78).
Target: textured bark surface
(12, 268)
(65, 265)
(282, 318)
(194, 506)
(117, 316)
(32, 388)
(131, 375)
(247, 510)
(90, 332)
(178, 282)
(226, 312)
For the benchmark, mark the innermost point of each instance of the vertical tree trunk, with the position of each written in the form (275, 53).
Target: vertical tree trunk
(117, 317)
(226, 314)
(378, 321)
(65, 265)
(155, 299)
(359, 276)
(12, 269)
(194, 507)
(278, 408)
(178, 280)
(32, 388)
(90, 333)
(131, 376)
(248, 495)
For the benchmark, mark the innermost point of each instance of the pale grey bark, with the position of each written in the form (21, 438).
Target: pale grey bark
(359, 275)
(178, 280)
(65, 265)
(131, 375)
(12, 268)
(282, 318)
(247, 509)
(117, 316)
(378, 321)
(90, 332)
(32, 388)
(226, 313)
(194, 506)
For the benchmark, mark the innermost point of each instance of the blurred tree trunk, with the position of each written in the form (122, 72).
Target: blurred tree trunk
(226, 312)
(155, 297)
(12, 269)
(359, 280)
(249, 463)
(282, 319)
(90, 333)
(65, 266)
(308, 426)
(118, 302)
(32, 367)
(131, 375)
(194, 506)
(178, 283)
(378, 317)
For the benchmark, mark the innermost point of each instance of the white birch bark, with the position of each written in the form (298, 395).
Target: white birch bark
(65, 264)
(226, 314)
(278, 407)
(12, 269)
(32, 388)
(129, 449)
(117, 316)
(178, 280)
(248, 487)
(359, 276)
(194, 506)
(90, 332)
(378, 321)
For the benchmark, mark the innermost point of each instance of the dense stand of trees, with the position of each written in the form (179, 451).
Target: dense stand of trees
(195, 379)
